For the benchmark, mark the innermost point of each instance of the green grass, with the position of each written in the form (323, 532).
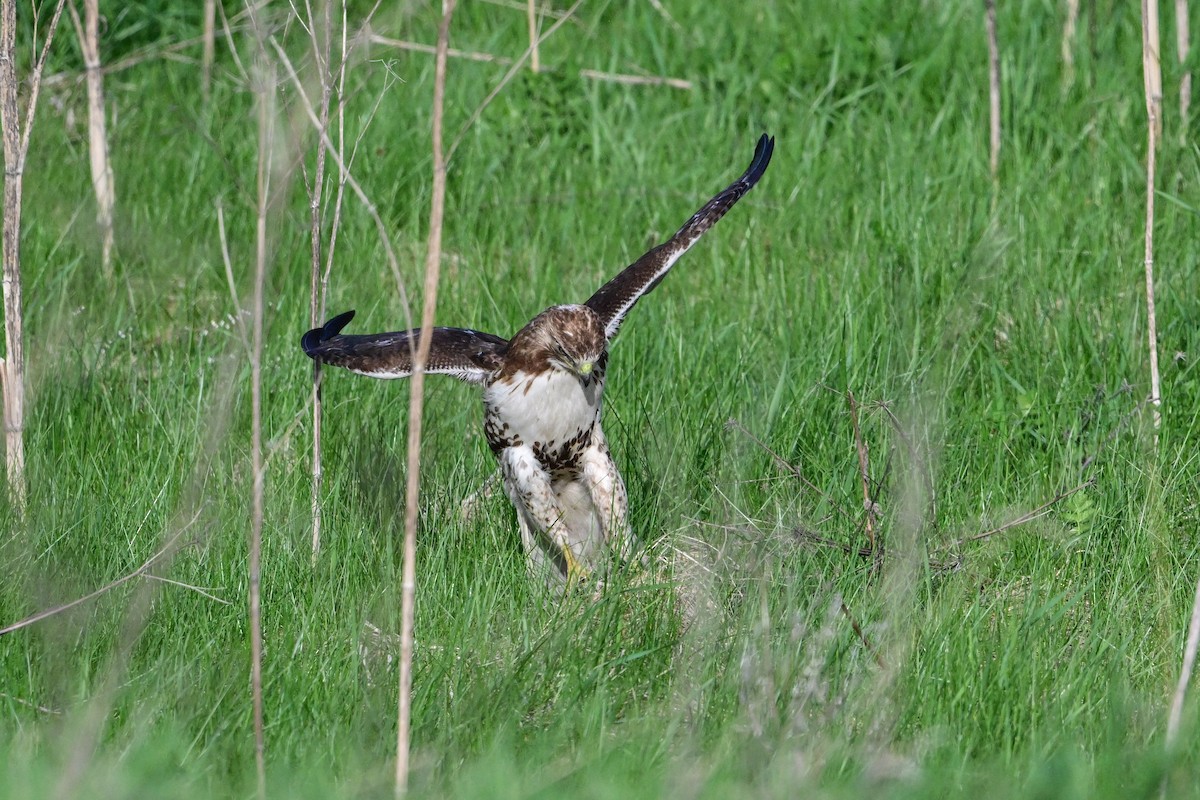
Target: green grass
(1009, 343)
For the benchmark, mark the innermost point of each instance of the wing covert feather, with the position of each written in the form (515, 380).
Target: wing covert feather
(613, 300)
(462, 353)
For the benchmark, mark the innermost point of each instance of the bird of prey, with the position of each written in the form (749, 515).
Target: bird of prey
(542, 393)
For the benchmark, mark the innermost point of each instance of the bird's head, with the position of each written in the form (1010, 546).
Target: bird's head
(570, 338)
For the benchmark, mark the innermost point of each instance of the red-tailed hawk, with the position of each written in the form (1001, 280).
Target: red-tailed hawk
(542, 392)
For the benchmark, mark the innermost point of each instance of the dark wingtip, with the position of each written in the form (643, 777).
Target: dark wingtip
(312, 340)
(762, 157)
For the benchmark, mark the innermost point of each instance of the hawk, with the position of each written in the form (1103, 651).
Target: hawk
(542, 392)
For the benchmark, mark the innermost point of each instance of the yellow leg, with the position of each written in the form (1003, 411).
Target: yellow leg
(576, 572)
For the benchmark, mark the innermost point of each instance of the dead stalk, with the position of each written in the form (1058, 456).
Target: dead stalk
(508, 76)
(208, 48)
(864, 474)
(433, 258)
(1152, 72)
(348, 178)
(263, 84)
(16, 147)
(1182, 35)
(535, 61)
(993, 45)
(102, 173)
(1068, 43)
(1185, 672)
(1028, 516)
(322, 51)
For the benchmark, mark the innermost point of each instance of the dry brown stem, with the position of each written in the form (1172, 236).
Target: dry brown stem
(1028, 516)
(531, 14)
(433, 259)
(208, 48)
(589, 74)
(166, 550)
(1068, 43)
(16, 147)
(862, 637)
(348, 178)
(1152, 72)
(102, 173)
(1185, 672)
(1182, 44)
(993, 45)
(508, 76)
(864, 475)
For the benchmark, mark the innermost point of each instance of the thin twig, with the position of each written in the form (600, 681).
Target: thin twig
(864, 474)
(166, 549)
(637, 80)
(862, 637)
(1185, 672)
(208, 42)
(416, 407)
(925, 470)
(787, 466)
(355, 186)
(28, 704)
(1028, 516)
(508, 76)
(182, 585)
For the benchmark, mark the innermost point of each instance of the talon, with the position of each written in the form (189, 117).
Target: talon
(576, 572)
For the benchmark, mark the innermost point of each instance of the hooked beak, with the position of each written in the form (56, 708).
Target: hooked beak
(584, 370)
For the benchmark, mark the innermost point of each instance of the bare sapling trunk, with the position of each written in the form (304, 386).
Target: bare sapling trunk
(1182, 35)
(1152, 73)
(102, 174)
(433, 258)
(993, 45)
(16, 147)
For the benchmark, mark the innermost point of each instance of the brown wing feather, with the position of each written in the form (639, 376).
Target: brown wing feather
(465, 354)
(613, 301)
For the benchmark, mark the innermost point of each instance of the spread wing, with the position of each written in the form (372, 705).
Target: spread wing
(614, 299)
(467, 355)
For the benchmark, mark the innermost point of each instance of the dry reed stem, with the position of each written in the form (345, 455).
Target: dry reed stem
(993, 88)
(102, 174)
(1068, 43)
(433, 259)
(1152, 72)
(168, 549)
(589, 74)
(1185, 672)
(535, 60)
(864, 475)
(781, 462)
(322, 51)
(1182, 35)
(1152, 66)
(16, 147)
(263, 85)
(208, 48)
(1028, 516)
(862, 636)
(348, 178)
(508, 76)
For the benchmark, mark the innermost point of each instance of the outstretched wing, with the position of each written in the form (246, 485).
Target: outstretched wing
(467, 355)
(614, 299)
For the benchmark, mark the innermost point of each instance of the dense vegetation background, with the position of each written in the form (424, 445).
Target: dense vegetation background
(993, 339)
